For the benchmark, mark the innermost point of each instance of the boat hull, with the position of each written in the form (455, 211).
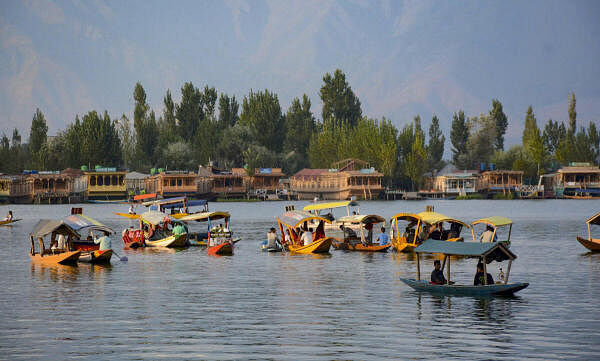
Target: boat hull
(70, 257)
(591, 244)
(359, 247)
(463, 290)
(319, 246)
(402, 246)
(96, 257)
(264, 248)
(7, 223)
(177, 240)
(223, 249)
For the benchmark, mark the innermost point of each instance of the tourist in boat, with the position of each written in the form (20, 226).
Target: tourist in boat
(9, 216)
(488, 235)
(437, 232)
(131, 209)
(62, 242)
(383, 238)
(437, 275)
(479, 281)
(307, 237)
(104, 242)
(369, 228)
(272, 238)
(348, 232)
(179, 229)
(320, 231)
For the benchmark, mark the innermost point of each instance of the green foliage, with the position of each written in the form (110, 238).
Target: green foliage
(530, 127)
(128, 141)
(504, 196)
(4, 152)
(178, 156)
(339, 101)
(258, 156)
(299, 126)
(470, 196)
(141, 107)
(572, 114)
(459, 136)
(554, 134)
(234, 142)
(228, 111)
(261, 113)
(189, 111)
(37, 139)
(209, 99)
(480, 144)
(501, 121)
(435, 147)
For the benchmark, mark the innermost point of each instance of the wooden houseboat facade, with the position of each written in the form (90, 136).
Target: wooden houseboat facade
(106, 184)
(172, 184)
(580, 180)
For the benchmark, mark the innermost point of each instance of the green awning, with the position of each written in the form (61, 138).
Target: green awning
(495, 251)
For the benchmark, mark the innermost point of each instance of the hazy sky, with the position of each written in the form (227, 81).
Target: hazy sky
(402, 58)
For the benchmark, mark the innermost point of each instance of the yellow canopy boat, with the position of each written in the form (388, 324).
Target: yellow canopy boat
(352, 241)
(423, 226)
(293, 221)
(318, 208)
(591, 243)
(497, 223)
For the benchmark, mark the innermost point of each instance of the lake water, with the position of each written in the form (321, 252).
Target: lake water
(186, 305)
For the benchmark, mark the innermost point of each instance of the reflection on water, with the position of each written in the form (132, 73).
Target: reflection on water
(181, 303)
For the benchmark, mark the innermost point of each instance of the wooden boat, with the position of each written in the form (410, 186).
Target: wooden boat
(47, 256)
(218, 235)
(265, 248)
(154, 231)
(498, 224)
(593, 244)
(90, 251)
(363, 243)
(178, 206)
(8, 223)
(484, 252)
(317, 209)
(419, 229)
(293, 221)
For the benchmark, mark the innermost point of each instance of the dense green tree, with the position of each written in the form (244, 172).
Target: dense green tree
(554, 133)
(530, 128)
(167, 127)
(37, 138)
(299, 126)
(258, 156)
(261, 113)
(480, 144)
(141, 107)
(537, 148)
(17, 153)
(572, 114)
(435, 146)
(459, 136)
(497, 114)
(73, 144)
(228, 111)
(235, 141)
(189, 111)
(147, 140)
(415, 163)
(4, 153)
(128, 141)
(178, 156)
(339, 101)
(209, 99)
(100, 144)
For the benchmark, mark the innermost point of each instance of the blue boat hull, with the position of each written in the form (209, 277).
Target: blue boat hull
(463, 290)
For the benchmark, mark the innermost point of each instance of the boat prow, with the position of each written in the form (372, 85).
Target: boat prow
(8, 223)
(319, 246)
(176, 240)
(223, 249)
(465, 290)
(69, 257)
(591, 244)
(96, 256)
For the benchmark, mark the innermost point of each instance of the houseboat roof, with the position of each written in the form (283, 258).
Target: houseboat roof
(310, 172)
(136, 175)
(496, 221)
(494, 251)
(329, 205)
(296, 218)
(503, 171)
(579, 169)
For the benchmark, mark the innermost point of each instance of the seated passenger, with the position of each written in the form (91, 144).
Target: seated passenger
(348, 232)
(272, 238)
(479, 280)
(437, 275)
(383, 238)
(307, 237)
(488, 235)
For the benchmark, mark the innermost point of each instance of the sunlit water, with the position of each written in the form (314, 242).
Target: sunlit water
(185, 304)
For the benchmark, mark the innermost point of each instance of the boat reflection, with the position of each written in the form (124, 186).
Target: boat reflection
(56, 272)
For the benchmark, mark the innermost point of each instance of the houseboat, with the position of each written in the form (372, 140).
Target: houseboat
(172, 184)
(580, 181)
(105, 184)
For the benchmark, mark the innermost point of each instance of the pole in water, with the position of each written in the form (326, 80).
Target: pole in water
(122, 259)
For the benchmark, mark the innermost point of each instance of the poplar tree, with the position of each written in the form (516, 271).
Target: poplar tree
(459, 136)
(339, 101)
(435, 147)
(501, 122)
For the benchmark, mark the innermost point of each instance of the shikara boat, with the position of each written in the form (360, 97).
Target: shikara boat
(593, 244)
(360, 242)
(318, 209)
(498, 223)
(484, 252)
(154, 231)
(90, 251)
(178, 207)
(8, 223)
(265, 248)
(420, 227)
(50, 256)
(293, 221)
(219, 237)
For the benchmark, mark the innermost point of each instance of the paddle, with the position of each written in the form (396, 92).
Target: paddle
(122, 259)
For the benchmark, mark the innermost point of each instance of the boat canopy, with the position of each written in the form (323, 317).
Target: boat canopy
(435, 218)
(329, 205)
(79, 222)
(364, 219)
(195, 203)
(494, 251)
(296, 218)
(47, 226)
(406, 217)
(205, 216)
(141, 197)
(496, 221)
(594, 220)
(164, 201)
(153, 217)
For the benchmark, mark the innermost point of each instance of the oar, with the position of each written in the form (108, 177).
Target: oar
(122, 259)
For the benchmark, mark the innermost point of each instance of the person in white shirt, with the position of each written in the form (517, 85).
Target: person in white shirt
(272, 238)
(62, 242)
(131, 209)
(307, 237)
(486, 236)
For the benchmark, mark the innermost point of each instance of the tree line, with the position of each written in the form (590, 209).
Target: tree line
(209, 127)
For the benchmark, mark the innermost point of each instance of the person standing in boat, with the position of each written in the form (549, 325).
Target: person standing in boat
(104, 242)
(131, 209)
(383, 238)
(437, 275)
(479, 280)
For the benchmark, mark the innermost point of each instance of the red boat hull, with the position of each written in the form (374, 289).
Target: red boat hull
(223, 249)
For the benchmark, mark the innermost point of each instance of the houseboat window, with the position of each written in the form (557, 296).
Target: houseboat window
(115, 180)
(165, 183)
(92, 180)
(121, 179)
(106, 180)
(179, 182)
(51, 183)
(100, 181)
(172, 182)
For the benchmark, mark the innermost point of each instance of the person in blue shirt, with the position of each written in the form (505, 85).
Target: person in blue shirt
(383, 238)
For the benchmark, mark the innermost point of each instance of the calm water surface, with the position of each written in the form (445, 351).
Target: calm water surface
(185, 305)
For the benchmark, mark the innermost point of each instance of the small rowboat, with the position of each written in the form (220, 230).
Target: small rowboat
(362, 242)
(175, 240)
(223, 249)
(158, 234)
(264, 248)
(593, 244)
(46, 256)
(293, 220)
(360, 247)
(96, 257)
(497, 223)
(8, 223)
(484, 252)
